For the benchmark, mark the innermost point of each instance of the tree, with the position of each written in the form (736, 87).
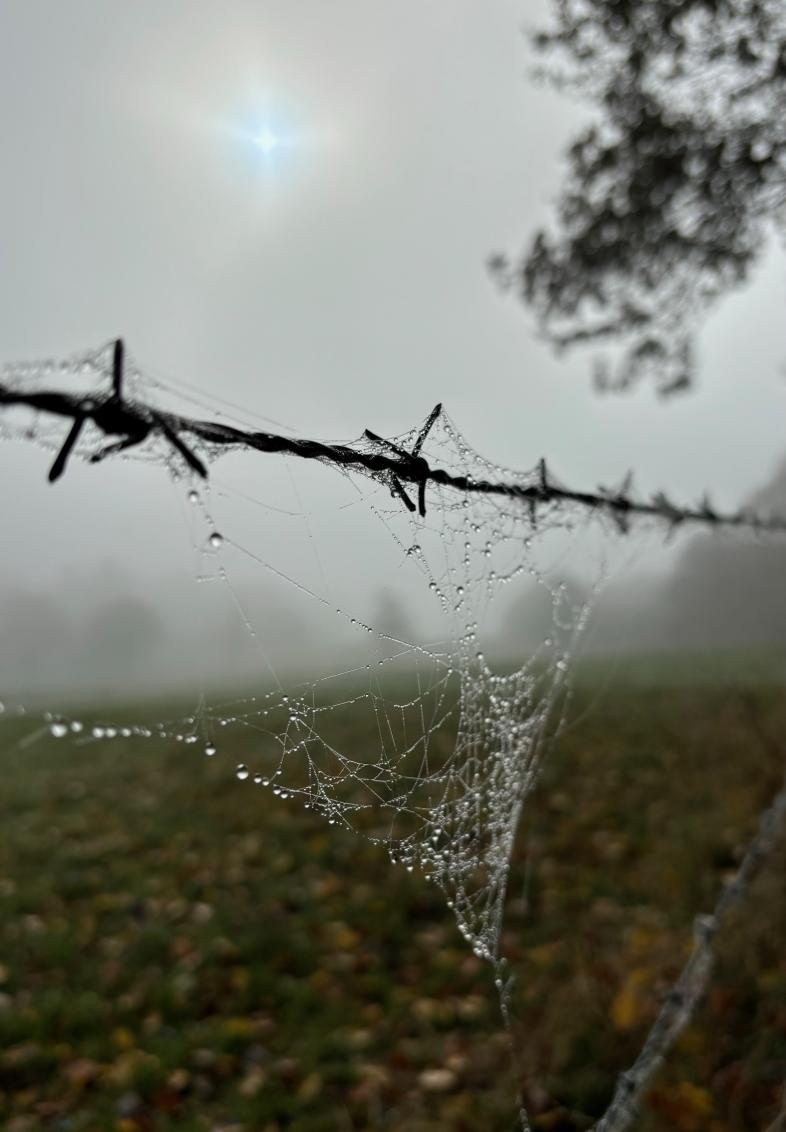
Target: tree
(670, 190)
(392, 617)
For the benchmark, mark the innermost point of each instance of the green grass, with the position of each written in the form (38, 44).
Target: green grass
(729, 669)
(182, 951)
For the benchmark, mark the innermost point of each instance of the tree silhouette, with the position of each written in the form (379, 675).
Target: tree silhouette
(671, 190)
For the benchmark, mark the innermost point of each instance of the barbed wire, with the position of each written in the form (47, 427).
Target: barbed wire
(134, 422)
(131, 422)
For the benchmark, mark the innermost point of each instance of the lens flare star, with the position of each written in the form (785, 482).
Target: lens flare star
(267, 141)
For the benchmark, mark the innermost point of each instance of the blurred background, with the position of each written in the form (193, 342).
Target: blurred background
(290, 213)
(291, 209)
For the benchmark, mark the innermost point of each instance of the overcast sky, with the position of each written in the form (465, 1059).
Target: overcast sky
(334, 284)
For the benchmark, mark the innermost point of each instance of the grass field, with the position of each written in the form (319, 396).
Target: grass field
(182, 951)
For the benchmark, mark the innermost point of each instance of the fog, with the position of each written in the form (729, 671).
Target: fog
(335, 286)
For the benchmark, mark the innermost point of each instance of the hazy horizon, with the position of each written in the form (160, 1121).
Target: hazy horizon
(335, 284)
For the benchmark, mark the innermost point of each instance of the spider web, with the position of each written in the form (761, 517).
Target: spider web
(459, 738)
(460, 732)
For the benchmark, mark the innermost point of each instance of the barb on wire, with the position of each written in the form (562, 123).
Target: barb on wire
(134, 422)
(111, 414)
(419, 465)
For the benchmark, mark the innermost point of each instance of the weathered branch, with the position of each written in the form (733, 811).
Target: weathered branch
(688, 991)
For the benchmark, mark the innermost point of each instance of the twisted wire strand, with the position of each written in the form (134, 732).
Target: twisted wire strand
(134, 422)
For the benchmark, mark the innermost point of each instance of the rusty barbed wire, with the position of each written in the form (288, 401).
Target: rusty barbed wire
(134, 422)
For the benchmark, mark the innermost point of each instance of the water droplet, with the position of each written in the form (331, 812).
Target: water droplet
(76, 726)
(210, 750)
(58, 730)
(193, 497)
(257, 779)
(242, 772)
(216, 540)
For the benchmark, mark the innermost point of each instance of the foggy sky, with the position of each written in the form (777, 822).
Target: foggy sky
(340, 287)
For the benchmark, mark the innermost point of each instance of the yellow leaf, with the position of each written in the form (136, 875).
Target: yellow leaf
(543, 955)
(699, 1101)
(239, 978)
(122, 1038)
(238, 1027)
(310, 1088)
(629, 1005)
(642, 940)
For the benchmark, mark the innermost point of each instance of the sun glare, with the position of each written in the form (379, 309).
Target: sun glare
(270, 145)
(267, 141)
